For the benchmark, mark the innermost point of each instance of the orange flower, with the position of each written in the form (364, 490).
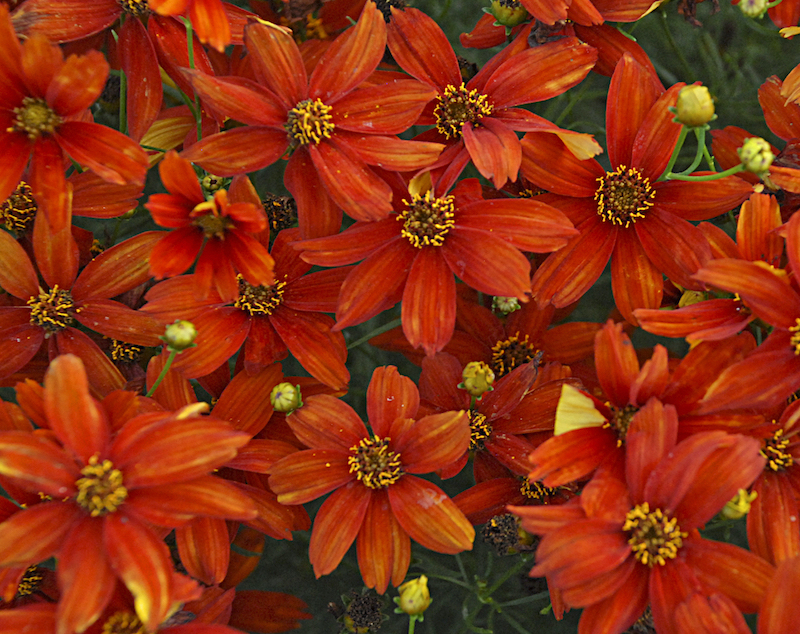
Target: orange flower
(631, 538)
(375, 496)
(108, 489)
(208, 18)
(43, 102)
(225, 227)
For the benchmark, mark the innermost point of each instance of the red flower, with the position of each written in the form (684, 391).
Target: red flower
(639, 223)
(269, 320)
(108, 489)
(477, 120)
(43, 102)
(225, 228)
(334, 130)
(624, 544)
(438, 237)
(375, 497)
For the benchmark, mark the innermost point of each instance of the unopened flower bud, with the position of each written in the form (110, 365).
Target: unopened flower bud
(753, 8)
(505, 305)
(477, 378)
(180, 336)
(756, 155)
(739, 506)
(414, 596)
(695, 106)
(285, 397)
(508, 13)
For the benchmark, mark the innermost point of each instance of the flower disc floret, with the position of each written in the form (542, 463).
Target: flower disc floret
(376, 466)
(19, 209)
(457, 106)
(511, 353)
(210, 221)
(480, 429)
(100, 490)
(535, 490)
(259, 300)
(794, 341)
(624, 196)
(654, 537)
(34, 118)
(52, 310)
(775, 451)
(123, 622)
(136, 8)
(620, 421)
(309, 122)
(427, 219)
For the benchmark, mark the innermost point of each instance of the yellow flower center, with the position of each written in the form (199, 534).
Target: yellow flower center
(511, 353)
(795, 339)
(309, 122)
(623, 196)
(212, 223)
(19, 209)
(52, 310)
(479, 430)
(34, 117)
(458, 106)
(621, 418)
(30, 582)
(375, 465)
(123, 623)
(534, 490)
(653, 536)
(259, 300)
(125, 352)
(281, 211)
(100, 490)
(775, 451)
(135, 8)
(427, 219)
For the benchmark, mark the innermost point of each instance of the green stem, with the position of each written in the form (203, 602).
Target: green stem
(507, 575)
(164, 371)
(378, 331)
(677, 49)
(411, 623)
(190, 46)
(451, 580)
(700, 134)
(461, 567)
(677, 150)
(513, 623)
(709, 159)
(123, 103)
(708, 177)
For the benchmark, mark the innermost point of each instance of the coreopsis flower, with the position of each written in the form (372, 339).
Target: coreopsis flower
(43, 101)
(334, 130)
(217, 228)
(270, 320)
(43, 313)
(415, 254)
(631, 538)
(719, 318)
(376, 498)
(625, 214)
(477, 120)
(108, 488)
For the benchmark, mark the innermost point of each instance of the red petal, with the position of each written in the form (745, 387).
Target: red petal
(385, 109)
(204, 549)
(780, 610)
(36, 533)
(104, 377)
(233, 152)
(390, 396)
(547, 162)
(657, 136)
(277, 62)
(383, 547)
(617, 364)
(47, 181)
(78, 83)
(307, 475)
(650, 438)
(494, 149)
(434, 441)
(240, 99)
(635, 280)
(771, 530)
(325, 422)
(140, 65)
(317, 214)
(17, 275)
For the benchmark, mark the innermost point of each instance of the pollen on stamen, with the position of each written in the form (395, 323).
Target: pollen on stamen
(794, 341)
(309, 122)
(458, 106)
(100, 490)
(123, 622)
(136, 8)
(620, 421)
(427, 219)
(654, 536)
(52, 310)
(34, 118)
(376, 466)
(259, 300)
(775, 450)
(510, 353)
(19, 209)
(623, 196)
(480, 429)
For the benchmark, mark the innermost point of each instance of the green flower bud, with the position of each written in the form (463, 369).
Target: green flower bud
(695, 106)
(477, 378)
(285, 397)
(508, 13)
(505, 305)
(756, 155)
(414, 596)
(180, 336)
(753, 8)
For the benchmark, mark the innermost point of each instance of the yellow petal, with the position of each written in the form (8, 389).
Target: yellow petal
(575, 411)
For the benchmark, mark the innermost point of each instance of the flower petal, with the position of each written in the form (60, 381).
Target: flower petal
(307, 475)
(383, 547)
(434, 441)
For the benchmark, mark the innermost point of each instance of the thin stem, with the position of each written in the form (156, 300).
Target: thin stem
(709, 159)
(507, 575)
(190, 45)
(513, 623)
(676, 49)
(411, 623)
(522, 600)
(378, 331)
(164, 371)
(461, 568)
(708, 177)
(452, 580)
(700, 134)
(676, 150)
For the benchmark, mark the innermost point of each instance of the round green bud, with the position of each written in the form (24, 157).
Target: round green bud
(756, 155)
(695, 106)
(508, 13)
(180, 335)
(285, 397)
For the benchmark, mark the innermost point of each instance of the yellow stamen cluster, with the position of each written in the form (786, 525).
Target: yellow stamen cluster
(207, 217)
(100, 490)
(621, 418)
(794, 341)
(534, 490)
(479, 430)
(30, 582)
(511, 353)
(457, 106)
(309, 122)
(427, 219)
(34, 118)
(775, 451)
(654, 537)
(123, 623)
(52, 310)
(19, 209)
(125, 352)
(259, 300)
(623, 196)
(375, 465)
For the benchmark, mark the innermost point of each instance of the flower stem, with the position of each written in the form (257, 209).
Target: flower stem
(161, 376)
(700, 134)
(708, 177)
(676, 150)
(378, 331)
(190, 44)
